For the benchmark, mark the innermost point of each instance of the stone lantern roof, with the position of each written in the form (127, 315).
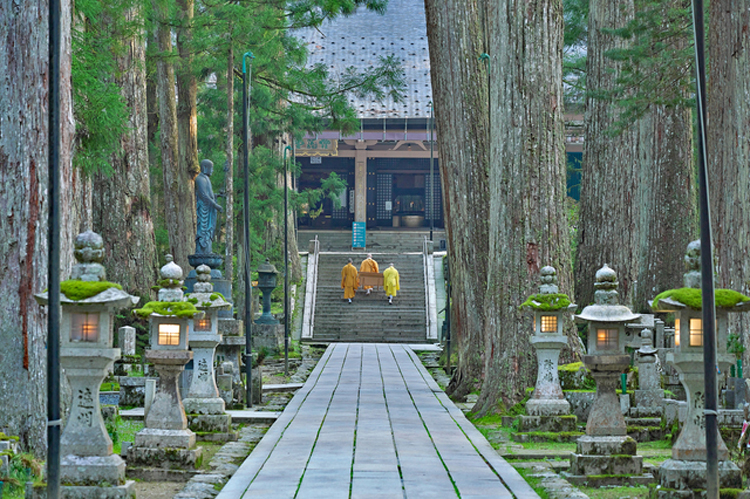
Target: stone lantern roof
(690, 296)
(606, 307)
(171, 298)
(549, 297)
(88, 284)
(203, 295)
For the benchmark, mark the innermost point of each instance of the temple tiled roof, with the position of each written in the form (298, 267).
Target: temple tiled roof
(359, 40)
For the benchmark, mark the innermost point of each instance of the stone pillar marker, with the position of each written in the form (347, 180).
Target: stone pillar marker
(547, 409)
(166, 438)
(204, 406)
(606, 451)
(126, 340)
(86, 355)
(686, 470)
(649, 396)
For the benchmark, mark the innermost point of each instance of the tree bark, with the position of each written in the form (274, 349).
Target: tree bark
(229, 168)
(122, 206)
(179, 195)
(459, 83)
(667, 202)
(24, 182)
(609, 210)
(187, 114)
(729, 148)
(527, 186)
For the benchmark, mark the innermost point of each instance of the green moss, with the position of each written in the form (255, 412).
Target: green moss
(193, 300)
(173, 308)
(80, 290)
(555, 436)
(547, 302)
(573, 367)
(165, 283)
(725, 298)
(216, 295)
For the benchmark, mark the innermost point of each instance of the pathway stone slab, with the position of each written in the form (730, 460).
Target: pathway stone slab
(370, 423)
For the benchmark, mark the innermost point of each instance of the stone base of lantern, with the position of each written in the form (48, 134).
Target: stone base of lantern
(687, 479)
(547, 423)
(162, 457)
(204, 406)
(547, 407)
(270, 336)
(92, 470)
(649, 398)
(216, 423)
(126, 491)
(602, 461)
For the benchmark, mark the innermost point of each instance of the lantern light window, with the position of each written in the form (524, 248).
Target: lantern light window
(606, 339)
(84, 327)
(696, 332)
(203, 324)
(169, 334)
(677, 332)
(549, 324)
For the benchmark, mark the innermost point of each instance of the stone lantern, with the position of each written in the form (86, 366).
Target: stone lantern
(204, 406)
(687, 468)
(550, 308)
(166, 437)
(267, 283)
(606, 449)
(86, 355)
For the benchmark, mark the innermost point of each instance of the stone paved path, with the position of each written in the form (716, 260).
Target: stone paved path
(370, 423)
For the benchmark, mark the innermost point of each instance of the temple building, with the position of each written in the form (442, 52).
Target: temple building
(391, 165)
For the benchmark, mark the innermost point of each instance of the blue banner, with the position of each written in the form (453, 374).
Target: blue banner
(359, 235)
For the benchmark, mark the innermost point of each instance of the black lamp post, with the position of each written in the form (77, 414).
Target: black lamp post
(707, 276)
(53, 319)
(246, 216)
(286, 263)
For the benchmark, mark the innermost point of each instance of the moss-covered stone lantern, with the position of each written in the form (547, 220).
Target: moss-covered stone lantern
(689, 451)
(204, 406)
(550, 308)
(606, 449)
(267, 277)
(86, 355)
(166, 437)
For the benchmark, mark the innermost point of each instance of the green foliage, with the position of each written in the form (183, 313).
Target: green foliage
(22, 468)
(173, 308)
(80, 290)
(656, 63)
(547, 302)
(575, 15)
(98, 38)
(725, 298)
(734, 344)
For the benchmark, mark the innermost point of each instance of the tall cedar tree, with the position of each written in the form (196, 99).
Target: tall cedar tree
(640, 147)
(462, 117)
(729, 146)
(527, 215)
(23, 245)
(121, 205)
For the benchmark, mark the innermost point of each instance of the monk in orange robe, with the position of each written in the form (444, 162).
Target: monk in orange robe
(369, 265)
(349, 280)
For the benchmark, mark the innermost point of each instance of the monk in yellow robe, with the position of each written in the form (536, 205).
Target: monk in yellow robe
(391, 282)
(369, 265)
(349, 280)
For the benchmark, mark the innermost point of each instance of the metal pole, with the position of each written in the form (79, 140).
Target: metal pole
(53, 319)
(707, 276)
(246, 216)
(286, 265)
(448, 316)
(432, 177)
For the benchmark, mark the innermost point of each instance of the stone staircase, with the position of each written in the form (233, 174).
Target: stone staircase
(370, 318)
